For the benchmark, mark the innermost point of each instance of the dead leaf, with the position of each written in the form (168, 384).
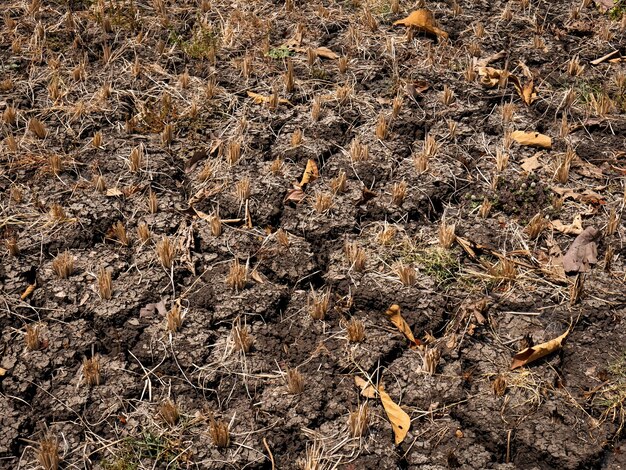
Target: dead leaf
(400, 421)
(367, 389)
(295, 194)
(490, 76)
(589, 170)
(422, 20)
(261, 99)
(552, 264)
(575, 228)
(311, 173)
(492, 58)
(326, 53)
(114, 192)
(396, 318)
(526, 91)
(534, 139)
(583, 252)
(3, 371)
(531, 163)
(256, 277)
(534, 353)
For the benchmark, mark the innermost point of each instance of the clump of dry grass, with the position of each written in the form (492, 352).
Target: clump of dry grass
(318, 302)
(446, 234)
(241, 336)
(135, 160)
(499, 385)
(165, 250)
(382, 126)
(355, 330)
(174, 318)
(92, 371)
(168, 411)
(358, 152)
(37, 128)
(406, 273)
(430, 360)
(295, 381)
(237, 275)
(33, 338)
(105, 284)
(564, 164)
(63, 265)
(323, 202)
(398, 193)
(143, 232)
(119, 233)
(219, 433)
(536, 226)
(355, 255)
(358, 421)
(153, 203)
(282, 238)
(338, 183)
(48, 453)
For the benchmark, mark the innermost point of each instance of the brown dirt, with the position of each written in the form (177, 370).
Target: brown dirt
(190, 65)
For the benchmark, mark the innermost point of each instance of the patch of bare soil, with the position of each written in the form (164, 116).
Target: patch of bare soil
(312, 234)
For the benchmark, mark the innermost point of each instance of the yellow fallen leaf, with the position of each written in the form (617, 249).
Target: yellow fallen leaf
(534, 139)
(260, 99)
(529, 355)
(396, 318)
(367, 389)
(424, 21)
(3, 371)
(311, 173)
(490, 76)
(114, 192)
(400, 421)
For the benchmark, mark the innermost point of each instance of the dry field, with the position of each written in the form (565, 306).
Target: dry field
(326, 234)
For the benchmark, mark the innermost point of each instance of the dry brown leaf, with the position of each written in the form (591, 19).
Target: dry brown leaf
(367, 389)
(295, 194)
(256, 277)
(260, 99)
(587, 169)
(400, 421)
(326, 53)
(311, 173)
(534, 139)
(531, 163)
(583, 253)
(422, 20)
(529, 355)
(575, 228)
(114, 192)
(3, 371)
(396, 318)
(489, 76)
(552, 264)
(526, 91)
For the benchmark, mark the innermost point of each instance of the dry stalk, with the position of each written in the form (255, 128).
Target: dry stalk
(165, 250)
(48, 453)
(447, 95)
(295, 381)
(485, 208)
(32, 338)
(168, 412)
(398, 193)
(242, 190)
(12, 246)
(446, 234)
(233, 152)
(105, 284)
(612, 223)
(241, 336)
(338, 183)
(561, 174)
(386, 235)
(215, 223)
(536, 226)
(143, 232)
(382, 127)
(358, 152)
(91, 371)
(358, 421)
(499, 385)
(174, 318)
(135, 159)
(316, 108)
(430, 360)
(37, 128)
(323, 202)
(296, 137)
(219, 433)
(406, 274)
(282, 238)
(119, 233)
(355, 255)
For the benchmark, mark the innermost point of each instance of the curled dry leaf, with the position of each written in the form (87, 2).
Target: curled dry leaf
(583, 253)
(491, 77)
(400, 420)
(367, 389)
(260, 99)
(534, 139)
(575, 228)
(311, 173)
(422, 20)
(534, 353)
(396, 318)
